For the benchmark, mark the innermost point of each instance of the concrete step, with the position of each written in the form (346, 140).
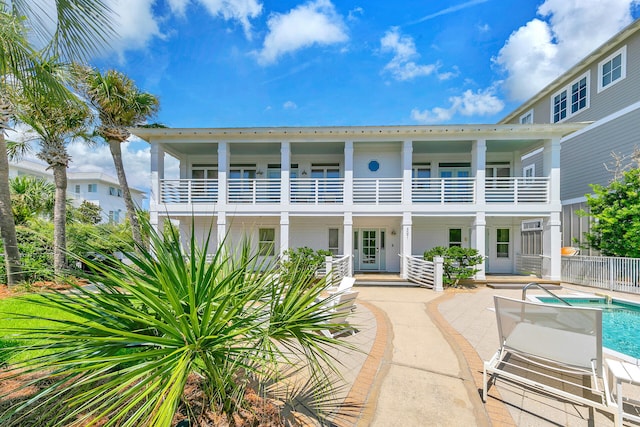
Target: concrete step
(549, 286)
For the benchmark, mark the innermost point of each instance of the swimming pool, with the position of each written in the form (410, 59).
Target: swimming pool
(620, 321)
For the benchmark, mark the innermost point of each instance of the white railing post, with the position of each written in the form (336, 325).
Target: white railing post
(611, 273)
(328, 261)
(438, 272)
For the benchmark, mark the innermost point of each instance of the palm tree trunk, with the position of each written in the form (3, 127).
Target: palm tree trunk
(59, 219)
(116, 153)
(7, 224)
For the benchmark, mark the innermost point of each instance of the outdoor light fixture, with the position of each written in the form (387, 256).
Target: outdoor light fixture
(304, 173)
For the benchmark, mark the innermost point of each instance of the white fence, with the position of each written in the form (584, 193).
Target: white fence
(337, 267)
(443, 190)
(253, 191)
(517, 190)
(189, 190)
(317, 190)
(425, 273)
(612, 273)
(529, 264)
(377, 191)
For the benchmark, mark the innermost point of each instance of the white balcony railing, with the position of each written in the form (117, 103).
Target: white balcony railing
(188, 190)
(253, 190)
(517, 190)
(317, 190)
(443, 190)
(377, 191)
(365, 190)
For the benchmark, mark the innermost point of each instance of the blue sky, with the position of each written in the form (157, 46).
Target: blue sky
(229, 63)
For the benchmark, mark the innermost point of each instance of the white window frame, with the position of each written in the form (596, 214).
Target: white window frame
(266, 247)
(334, 249)
(529, 115)
(567, 89)
(453, 243)
(92, 188)
(623, 72)
(529, 171)
(112, 191)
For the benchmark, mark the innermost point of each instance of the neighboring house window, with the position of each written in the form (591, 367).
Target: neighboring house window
(266, 239)
(111, 216)
(571, 99)
(112, 191)
(612, 69)
(527, 118)
(77, 189)
(334, 241)
(529, 172)
(502, 242)
(455, 237)
(92, 188)
(119, 193)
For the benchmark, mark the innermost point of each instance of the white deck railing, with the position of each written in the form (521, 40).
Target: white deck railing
(365, 190)
(189, 190)
(425, 273)
(529, 264)
(317, 190)
(338, 267)
(517, 190)
(377, 191)
(443, 190)
(253, 191)
(612, 273)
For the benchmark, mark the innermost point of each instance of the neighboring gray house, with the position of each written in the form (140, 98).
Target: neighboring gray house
(603, 88)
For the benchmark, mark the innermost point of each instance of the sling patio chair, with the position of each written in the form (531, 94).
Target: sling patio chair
(553, 349)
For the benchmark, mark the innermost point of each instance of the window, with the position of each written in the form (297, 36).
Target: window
(119, 192)
(421, 170)
(571, 99)
(455, 237)
(114, 216)
(612, 69)
(325, 170)
(77, 189)
(112, 191)
(203, 171)
(502, 242)
(527, 118)
(529, 171)
(334, 244)
(92, 188)
(266, 239)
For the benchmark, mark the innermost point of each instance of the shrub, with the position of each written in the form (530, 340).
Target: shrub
(459, 262)
(35, 243)
(304, 259)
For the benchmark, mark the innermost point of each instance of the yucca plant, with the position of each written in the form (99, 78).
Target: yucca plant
(124, 354)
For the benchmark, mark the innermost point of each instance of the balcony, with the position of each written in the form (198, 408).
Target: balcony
(366, 191)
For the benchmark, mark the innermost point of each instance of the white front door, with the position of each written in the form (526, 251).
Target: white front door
(369, 250)
(500, 250)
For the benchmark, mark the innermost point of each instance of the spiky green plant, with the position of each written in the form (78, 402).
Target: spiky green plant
(126, 352)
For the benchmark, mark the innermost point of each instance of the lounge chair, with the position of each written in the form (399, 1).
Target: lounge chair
(343, 305)
(553, 349)
(345, 285)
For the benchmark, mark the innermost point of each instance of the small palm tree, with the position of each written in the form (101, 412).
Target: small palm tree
(31, 197)
(56, 122)
(123, 355)
(81, 27)
(120, 105)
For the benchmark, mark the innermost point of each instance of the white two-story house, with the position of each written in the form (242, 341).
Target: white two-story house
(378, 193)
(603, 88)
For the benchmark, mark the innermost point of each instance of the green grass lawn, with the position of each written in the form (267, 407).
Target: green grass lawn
(9, 307)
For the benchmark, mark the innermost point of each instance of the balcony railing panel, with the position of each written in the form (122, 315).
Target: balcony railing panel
(377, 191)
(517, 190)
(189, 190)
(253, 190)
(317, 190)
(443, 190)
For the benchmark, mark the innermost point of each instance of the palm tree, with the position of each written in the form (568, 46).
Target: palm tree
(81, 27)
(31, 197)
(56, 122)
(120, 105)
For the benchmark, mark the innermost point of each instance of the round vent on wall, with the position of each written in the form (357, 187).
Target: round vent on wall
(374, 165)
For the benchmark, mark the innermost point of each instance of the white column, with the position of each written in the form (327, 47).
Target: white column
(347, 236)
(221, 232)
(157, 173)
(478, 241)
(223, 168)
(285, 165)
(406, 243)
(284, 232)
(551, 156)
(478, 168)
(407, 170)
(348, 173)
(552, 266)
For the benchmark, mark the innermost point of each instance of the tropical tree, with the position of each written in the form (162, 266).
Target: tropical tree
(124, 356)
(120, 105)
(31, 197)
(56, 122)
(72, 29)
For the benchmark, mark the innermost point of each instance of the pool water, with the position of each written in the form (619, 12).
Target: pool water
(620, 322)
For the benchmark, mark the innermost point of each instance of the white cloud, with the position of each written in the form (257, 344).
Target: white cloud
(313, 23)
(240, 10)
(541, 50)
(178, 7)
(290, 105)
(354, 13)
(480, 103)
(134, 23)
(402, 67)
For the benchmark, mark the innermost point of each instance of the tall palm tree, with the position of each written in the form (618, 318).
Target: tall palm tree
(120, 105)
(56, 122)
(80, 27)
